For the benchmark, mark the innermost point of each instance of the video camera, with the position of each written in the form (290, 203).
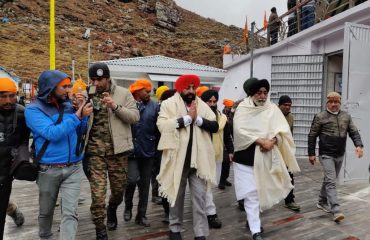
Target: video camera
(91, 91)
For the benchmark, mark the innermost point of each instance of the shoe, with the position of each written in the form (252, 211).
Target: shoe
(221, 186)
(142, 221)
(127, 214)
(214, 221)
(111, 218)
(157, 200)
(257, 236)
(323, 207)
(293, 206)
(227, 183)
(338, 217)
(101, 234)
(241, 205)
(175, 236)
(200, 238)
(18, 217)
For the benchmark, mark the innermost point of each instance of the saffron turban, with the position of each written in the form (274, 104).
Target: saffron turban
(139, 85)
(7, 85)
(228, 102)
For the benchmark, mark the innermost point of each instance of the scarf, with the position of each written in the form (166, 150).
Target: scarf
(174, 142)
(218, 137)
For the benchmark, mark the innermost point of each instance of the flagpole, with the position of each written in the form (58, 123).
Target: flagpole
(52, 35)
(252, 47)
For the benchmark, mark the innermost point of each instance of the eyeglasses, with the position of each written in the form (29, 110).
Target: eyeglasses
(11, 95)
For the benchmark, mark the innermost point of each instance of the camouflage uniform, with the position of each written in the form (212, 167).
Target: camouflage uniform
(102, 161)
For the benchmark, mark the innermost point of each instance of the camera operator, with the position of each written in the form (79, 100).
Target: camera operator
(108, 145)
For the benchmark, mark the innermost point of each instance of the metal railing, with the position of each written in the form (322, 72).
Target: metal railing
(302, 16)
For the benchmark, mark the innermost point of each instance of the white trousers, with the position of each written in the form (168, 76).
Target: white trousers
(210, 205)
(245, 188)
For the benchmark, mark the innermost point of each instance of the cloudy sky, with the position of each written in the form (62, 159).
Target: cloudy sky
(233, 12)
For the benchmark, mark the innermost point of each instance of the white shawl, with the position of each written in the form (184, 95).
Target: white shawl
(174, 143)
(272, 178)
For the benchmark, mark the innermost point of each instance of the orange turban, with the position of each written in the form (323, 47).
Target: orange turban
(140, 84)
(228, 102)
(200, 90)
(7, 85)
(79, 86)
(185, 80)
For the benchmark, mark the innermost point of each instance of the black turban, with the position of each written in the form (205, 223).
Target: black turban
(284, 99)
(255, 87)
(209, 94)
(247, 85)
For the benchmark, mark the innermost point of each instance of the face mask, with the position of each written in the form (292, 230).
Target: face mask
(188, 98)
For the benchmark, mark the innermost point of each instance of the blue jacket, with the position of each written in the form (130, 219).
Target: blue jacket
(41, 117)
(145, 132)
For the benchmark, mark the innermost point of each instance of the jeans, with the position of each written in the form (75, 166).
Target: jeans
(52, 180)
(328, 193)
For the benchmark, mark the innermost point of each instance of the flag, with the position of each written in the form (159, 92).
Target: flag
(246, 31)
(265, 23)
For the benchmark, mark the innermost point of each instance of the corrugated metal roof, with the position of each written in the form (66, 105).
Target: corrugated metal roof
(158, 61)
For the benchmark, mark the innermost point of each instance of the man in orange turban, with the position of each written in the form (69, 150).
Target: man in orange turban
(200, 90)
(140, 163)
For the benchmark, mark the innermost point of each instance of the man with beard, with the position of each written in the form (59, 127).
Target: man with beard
(108, 146)
(220, 139)
(55, 126)
(263, 148)
(140, 163)
(188, 154)
(14, 135)
(332, 126)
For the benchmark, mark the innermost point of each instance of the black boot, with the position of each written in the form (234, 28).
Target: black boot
(127, 214)
(214, 222)
(101, 234)
(111, 218)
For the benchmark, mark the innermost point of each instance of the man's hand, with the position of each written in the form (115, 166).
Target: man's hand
(312, 159)
(231, 157)
(193, 111)
(84, 110)
(267, 144)
(359, 152)
(78, 100)
(108, 101)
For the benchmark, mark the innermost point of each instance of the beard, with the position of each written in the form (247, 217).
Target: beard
(8, 107)
(259, 103)
(188, 98)
(214, 108)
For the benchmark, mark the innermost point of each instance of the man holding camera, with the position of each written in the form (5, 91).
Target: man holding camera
(108, 146)
(12, 136)
(55, 126)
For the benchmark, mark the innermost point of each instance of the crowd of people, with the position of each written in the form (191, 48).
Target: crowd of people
(122, 135)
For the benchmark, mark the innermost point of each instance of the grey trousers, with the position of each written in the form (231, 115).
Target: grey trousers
(198, 198)
(50, 181)
(328, 193)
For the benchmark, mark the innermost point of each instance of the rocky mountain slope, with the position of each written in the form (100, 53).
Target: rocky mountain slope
(119, 29)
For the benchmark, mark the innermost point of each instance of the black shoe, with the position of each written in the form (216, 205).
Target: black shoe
(175, 236)
(127, 214)
(214, 222)
(142, 221)
(241, 205)
(111, 218)
(101, 234)
(200, 238)
(221, 186)
(257, 236)
(227, 183)
(157, 200)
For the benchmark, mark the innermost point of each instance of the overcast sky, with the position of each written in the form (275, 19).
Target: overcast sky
(233, 12)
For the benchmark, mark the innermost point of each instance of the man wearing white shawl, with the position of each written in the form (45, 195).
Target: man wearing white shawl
(263, 148)
(186, 124)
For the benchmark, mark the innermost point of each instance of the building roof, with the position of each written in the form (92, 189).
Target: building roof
(158, 61)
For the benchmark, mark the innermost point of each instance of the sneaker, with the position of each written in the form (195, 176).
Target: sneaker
(323, 207)
(338, 217)
(111, 218)
(101, 234)
(214, 221)
(293, 206)
(18, 217)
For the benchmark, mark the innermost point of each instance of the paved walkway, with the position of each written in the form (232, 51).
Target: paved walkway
(279, 223)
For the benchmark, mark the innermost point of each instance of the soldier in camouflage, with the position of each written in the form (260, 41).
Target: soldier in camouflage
(332, 126)
(109, 143)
